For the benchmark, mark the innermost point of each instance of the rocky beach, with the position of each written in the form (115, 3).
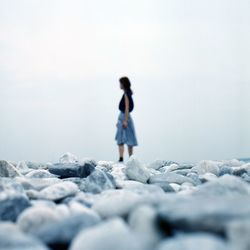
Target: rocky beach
(83, 204)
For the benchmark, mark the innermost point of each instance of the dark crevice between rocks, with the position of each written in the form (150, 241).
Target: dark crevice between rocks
(125, 217)
(169, 229)
(59, 246)
(239, 172)
(59, 201)
(164, 227)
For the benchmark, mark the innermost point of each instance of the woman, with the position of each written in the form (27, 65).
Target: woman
(125, 133)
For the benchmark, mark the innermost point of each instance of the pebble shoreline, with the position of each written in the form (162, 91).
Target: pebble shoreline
(164, 205)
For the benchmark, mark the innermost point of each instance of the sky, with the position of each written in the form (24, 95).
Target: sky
(188, 61)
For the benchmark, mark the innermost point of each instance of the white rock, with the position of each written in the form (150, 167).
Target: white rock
(136, 171)
(233, 163)
(12, 238)
(170, 177)
(139, 188)
(207, 166)
(186, 188)
(194, 242)
(43, 203)
(142, 221)
(208, 177)
(87, 199)
(37, 165)
(59, 191)
(110, 235)
(238, 232)
(172, 167)
(98, 181)
(128, 184)
(8, 170)
(156, 164)
(36, 183)
(68, 158)
(153, 171)
(175, 186)
(63, 210)
(33, 194)
(13, 163)
(77, 208)
(35, 217)
(118, 171)
(226, 185)
(87, 160)
(116, 203)
(23, 168)
(40, 173)
(106, 164)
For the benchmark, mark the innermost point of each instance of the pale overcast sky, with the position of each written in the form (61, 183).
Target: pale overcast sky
(188, 60)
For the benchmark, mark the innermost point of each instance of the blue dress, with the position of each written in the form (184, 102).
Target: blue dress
(126, 135)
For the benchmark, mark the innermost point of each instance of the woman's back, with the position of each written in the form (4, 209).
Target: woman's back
(122, 102)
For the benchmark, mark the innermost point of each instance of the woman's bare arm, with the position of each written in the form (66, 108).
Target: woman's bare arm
(126, 109)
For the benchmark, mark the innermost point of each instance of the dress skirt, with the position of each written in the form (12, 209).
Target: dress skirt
(126, 135)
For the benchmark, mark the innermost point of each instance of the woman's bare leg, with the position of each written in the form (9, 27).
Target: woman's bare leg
(121, 150)
(130, 150)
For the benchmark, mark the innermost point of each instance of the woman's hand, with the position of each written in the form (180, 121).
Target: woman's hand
(124, 124)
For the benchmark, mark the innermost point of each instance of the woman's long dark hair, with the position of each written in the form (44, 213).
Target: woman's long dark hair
(126, 84)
